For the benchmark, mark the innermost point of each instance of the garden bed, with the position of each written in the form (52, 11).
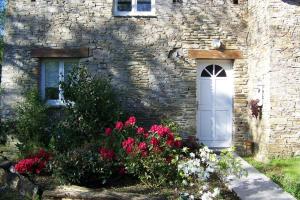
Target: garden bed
(284, 172)
(127, 189)
(91, 142)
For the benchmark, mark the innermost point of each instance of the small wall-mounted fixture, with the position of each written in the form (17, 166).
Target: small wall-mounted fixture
(216, 44)
(235, 1)
(259, 94)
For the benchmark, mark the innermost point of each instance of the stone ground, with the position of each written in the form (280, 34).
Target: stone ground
(256, 186)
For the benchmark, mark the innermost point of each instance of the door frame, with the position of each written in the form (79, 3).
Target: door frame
(201, 64)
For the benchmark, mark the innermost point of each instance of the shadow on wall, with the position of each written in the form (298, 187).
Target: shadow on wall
(151, 84)
(292, 2)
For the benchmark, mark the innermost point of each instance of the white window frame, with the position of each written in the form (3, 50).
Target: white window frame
(61, 70)
(134, 11)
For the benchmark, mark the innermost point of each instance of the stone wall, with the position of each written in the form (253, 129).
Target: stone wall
(146, 57)
(258, 69)
(285, 77)
(274, 62)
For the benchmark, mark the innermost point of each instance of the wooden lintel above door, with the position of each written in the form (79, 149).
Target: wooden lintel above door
(215, 54)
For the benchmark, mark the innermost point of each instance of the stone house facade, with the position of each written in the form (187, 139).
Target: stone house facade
(164, 58)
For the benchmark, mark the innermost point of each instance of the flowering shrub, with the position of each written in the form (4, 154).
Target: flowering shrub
(84, 166)
(34, 164)
(149, 155)
(197, 170)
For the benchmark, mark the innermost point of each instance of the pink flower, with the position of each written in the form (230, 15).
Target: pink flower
(140, 130)
(106, 153)
(170, 143)
(144, 153)
(119, 125)
(108, 131)
(142, 146)
(128, 145)
(154, 141)
(42, 154)
(157, 149)
(131, 121)
(154, 128)
(170, 140)
(34, 164)
(170, 136)
(162, 131)
(146, 135)
(178, 143)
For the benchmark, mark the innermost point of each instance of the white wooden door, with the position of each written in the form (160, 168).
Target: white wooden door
(214, 103)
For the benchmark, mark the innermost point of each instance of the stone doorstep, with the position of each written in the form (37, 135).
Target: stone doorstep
(256, 186)
(76, 192)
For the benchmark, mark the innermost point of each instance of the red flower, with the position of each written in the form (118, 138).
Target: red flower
(160, 130)
(169, 159)
(119, 125)
(128, 145)
(42, 154)
(34, 164)
(131, 121)
(142, 146)
(154, 141)
(146, 135)
(30, 165)
(140, 130)
(178, 143)
(108, 131)
(106, 153)
(122, 171)
(170, 136)
(170, 140)
(157, 149)
(154, 128)
(170, 143)
(144, 153)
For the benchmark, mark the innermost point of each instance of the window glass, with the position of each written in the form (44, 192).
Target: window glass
(124, 5)
(210, 68)
(143, 5)
(52, 80)
(222, 74)
(217, 69)
(205, 74)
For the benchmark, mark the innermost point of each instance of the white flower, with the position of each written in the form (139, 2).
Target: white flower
(191, 197)
(216, 192)
(205, 187)
(192, 155)
(184, 182)
(207, 196)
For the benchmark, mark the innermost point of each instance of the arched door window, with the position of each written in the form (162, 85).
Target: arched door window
(213, 70)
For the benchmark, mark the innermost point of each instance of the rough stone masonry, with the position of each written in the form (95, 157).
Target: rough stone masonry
(147, 58)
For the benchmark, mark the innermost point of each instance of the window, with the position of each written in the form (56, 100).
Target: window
(213, 70)
(134, 7)
(52, 73)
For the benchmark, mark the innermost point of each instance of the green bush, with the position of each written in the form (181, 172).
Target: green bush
(7, 128)
(82, 166)
(32, 127)
(91, 106)
(149, 155)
